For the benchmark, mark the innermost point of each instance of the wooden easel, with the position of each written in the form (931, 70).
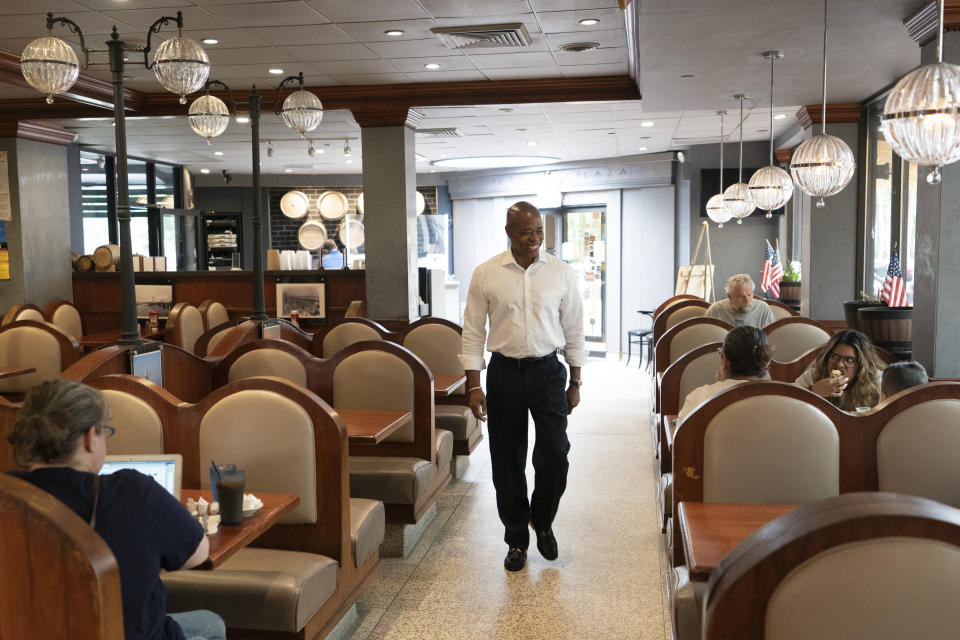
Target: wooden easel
(705, 270)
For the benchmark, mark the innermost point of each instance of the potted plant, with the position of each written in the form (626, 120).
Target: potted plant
(852, 307)
(790, 284)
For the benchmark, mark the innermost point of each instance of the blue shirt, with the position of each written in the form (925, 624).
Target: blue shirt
(146, 528)
(332, 260)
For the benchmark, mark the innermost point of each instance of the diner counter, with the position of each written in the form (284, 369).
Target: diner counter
(97, 295)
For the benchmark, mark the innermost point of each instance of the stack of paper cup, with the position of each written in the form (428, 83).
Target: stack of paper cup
(303, 260)
(288, 259)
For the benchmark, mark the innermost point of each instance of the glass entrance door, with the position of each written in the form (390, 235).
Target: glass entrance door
(584, 249)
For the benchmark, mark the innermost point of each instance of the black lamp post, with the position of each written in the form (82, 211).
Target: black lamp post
(180, 64)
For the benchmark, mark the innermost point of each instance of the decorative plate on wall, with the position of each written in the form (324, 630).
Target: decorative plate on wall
(311, 234)
(332, 205)
(294, 204)
(351, 233)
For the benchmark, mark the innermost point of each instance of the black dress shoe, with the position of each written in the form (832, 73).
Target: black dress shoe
(546, 543)
(516, 559)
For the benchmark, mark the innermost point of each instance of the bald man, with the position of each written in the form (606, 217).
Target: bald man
(534, 308)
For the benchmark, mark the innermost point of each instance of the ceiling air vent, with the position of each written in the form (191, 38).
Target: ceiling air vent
(579, 47)
(483, 36)
(444, 132)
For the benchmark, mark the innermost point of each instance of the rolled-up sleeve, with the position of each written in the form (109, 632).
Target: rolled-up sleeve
(474, 334)
(571, 321)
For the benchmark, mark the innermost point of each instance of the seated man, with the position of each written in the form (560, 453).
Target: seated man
(901, 375)
(330, 256)
(740, 309)
(60, 436)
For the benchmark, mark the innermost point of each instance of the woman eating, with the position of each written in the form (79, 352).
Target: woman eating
(847, 372)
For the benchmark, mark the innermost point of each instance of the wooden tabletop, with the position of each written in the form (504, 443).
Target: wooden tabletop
(230, 538)
(446, 383)
(710, 530)
(104, 338)
(371, 426)
(9, 372)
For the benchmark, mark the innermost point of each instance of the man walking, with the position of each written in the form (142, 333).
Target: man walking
(534, 309)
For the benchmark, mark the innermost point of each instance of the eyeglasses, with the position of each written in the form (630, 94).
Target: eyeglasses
(847, 360)
(108, 430)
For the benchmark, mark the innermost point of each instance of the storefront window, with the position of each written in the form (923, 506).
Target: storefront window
(94, 204)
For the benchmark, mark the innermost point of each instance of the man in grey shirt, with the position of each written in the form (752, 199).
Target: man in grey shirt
(740, 309)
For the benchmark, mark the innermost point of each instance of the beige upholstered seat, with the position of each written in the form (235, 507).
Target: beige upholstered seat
(271, 438)
(400, 480)
(684, 313)
(459, 420)
(375, 380)
(216, 338)
(66, 318)
(216, 314)
(139, 429)
(437, 345)
(268, 362)
(23, 312)
(878, 589)
(699, 372)
(918, 452)
(770, 449)
(184, 326)
(779, 313)
(793, 340)
(29, 347)
(695, 336)
(367, 526)
(344, 335)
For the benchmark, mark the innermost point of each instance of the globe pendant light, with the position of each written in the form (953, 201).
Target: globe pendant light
(824, 164)
(302, 111)
(50, 66)
(181, 66)
(737, 196)
(716, 209)
(921, 118)
(209, 116)
(771, 187)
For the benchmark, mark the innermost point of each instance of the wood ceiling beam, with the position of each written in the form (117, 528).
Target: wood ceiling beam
(841, 112)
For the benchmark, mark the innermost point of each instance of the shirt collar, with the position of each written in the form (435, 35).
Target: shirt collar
(507, 259)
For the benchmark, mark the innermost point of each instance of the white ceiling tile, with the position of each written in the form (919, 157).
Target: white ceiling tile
(556, 5)
(440, 112)
(514, 60)
(94, 26)
(301, 34)
(594, 69)
(354, 67)
(374, 31)
(330, 52)
(471, 8)
(522, 73)
(447, 63)
(568, 21)
(529, 20)
(249, 55)
(11, 7)
(445, 76)
(363, 10)
(598, 57)
(605, 38)
(227, 38)
(372, 78)
(291, 12)
(193, 18)
(411, 48)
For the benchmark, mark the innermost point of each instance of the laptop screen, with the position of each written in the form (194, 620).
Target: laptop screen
(165, 469)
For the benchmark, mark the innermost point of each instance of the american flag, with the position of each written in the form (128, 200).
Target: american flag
(894, 288)
(772, 272)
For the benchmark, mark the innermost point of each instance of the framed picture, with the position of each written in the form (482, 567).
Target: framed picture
(146, 361)
(306, 298)
(154, 297)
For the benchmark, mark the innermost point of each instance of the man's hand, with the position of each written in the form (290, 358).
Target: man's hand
(573, 398)
(478, 404)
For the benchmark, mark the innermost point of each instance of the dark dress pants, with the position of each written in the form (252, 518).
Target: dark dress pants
(514, 388)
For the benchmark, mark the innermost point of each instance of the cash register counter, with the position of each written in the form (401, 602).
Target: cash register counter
(97, 295)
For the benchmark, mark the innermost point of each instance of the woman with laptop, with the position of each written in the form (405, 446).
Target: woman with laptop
(60, 437)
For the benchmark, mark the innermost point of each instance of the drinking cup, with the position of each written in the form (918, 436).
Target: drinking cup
(213, 476)
(230, 486)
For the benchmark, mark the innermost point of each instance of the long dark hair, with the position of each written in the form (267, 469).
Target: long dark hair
(748, 352)
(863, 390)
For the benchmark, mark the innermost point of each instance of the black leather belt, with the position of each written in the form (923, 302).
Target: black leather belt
(525, 362)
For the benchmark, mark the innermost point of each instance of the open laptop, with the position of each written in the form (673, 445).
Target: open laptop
(165, 468)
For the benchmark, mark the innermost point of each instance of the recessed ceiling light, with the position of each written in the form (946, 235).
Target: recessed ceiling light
(646, 123)
(204, 170)
(288, 170)
(242, 118)
(532, 143)
(589, 22)
(276, 72)
(431, 66)
(218, 153)
(433, 170)
(780, 116)
(489, 162)
(348, 161)
(642, 149)
(394, 32)
(210, 41)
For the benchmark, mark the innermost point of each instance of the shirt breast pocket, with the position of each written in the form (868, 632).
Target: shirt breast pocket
(549, 300)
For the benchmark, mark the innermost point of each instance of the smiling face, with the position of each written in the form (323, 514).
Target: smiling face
(525, 230)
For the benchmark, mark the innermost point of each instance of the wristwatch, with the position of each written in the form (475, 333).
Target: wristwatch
(576, 383)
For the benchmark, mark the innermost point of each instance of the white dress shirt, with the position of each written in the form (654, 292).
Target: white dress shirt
(533, 312)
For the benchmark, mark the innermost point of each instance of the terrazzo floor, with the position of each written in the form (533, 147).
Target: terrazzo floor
(608, 581)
